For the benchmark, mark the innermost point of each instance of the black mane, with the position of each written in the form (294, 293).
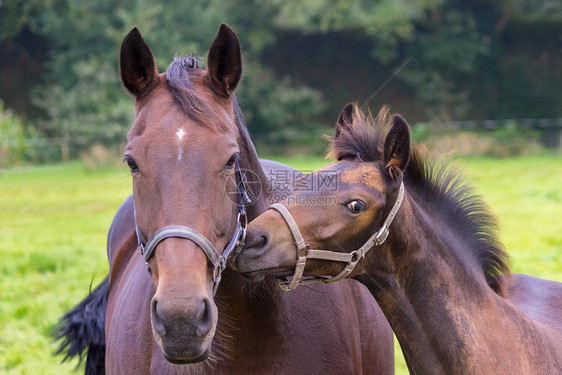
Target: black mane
(437, 183)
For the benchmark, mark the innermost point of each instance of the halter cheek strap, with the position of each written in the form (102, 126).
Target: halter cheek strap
(218, 261)
(304, 252)
(303, 249)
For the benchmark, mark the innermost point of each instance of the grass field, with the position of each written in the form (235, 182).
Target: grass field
(54, 220)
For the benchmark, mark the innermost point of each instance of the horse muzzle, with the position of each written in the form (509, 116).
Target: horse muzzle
(184, 331)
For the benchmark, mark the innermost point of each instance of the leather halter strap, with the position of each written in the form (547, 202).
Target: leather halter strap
(218, 261)
(304, 252)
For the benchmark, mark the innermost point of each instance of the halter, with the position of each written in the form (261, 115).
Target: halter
(304, 252)
(218, 261)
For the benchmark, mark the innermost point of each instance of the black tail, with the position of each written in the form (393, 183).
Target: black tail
(84, 327)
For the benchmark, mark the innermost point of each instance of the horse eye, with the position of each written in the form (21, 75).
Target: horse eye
(230, 163)
(356, 206)
(133, 167)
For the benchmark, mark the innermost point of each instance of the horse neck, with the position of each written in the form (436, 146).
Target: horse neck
(432, 293)
(257, 178)
(242, 305)
(250, 161)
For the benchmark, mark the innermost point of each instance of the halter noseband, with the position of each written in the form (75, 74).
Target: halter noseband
(304, 252)
(219, 262)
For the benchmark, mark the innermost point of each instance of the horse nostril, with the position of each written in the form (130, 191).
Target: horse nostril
(259, 245)
(157, 322)
(263, 242)
(256, 242)
(204, 318)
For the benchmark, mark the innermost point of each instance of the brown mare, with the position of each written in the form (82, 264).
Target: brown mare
(440, 277)
(186, 151)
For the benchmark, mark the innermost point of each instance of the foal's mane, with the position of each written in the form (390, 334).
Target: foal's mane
(438, 183)
(180, 76)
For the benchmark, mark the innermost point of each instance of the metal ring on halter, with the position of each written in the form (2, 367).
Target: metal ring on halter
(304, 252)
(355, 256)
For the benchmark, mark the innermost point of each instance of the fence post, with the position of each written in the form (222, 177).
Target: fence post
(65, 153)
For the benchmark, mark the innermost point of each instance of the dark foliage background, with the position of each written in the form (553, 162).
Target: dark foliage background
(431, 60)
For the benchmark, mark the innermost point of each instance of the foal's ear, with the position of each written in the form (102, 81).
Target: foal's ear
(136, 64)
(345, 119)
(224, 62)
(397, 148)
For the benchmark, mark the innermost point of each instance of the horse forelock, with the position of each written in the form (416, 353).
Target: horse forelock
(182, 75)
(363, 138)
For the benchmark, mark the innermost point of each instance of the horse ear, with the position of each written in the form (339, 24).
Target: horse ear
(136, 64)
(397, 147)
(224, 62)
(345, 119)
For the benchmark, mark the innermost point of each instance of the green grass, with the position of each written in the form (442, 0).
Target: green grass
(53, 226)
(54, 220)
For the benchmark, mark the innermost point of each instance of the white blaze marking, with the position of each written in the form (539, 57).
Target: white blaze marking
(179, 134)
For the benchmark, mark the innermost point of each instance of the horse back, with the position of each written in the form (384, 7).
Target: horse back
(121, 238)
(538, 298)
(126, 330)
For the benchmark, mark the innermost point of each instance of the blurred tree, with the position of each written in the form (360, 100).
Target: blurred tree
(551, 8)
(12, 138)
(387, 22)
(461, 59)
(81, 92)
(445, 50)
(443, 40)
(16, 14)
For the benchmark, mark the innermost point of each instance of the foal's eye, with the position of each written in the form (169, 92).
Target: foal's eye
(230, 163)
(356, 206)
(133, 167)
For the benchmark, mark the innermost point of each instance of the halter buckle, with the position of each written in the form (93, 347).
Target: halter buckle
(217, 272)
(285, 286)
(382, 235)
